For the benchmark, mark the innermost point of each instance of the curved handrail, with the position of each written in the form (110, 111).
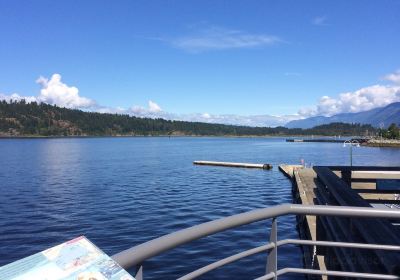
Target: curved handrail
(327, 273)
(226, 261)
(137, 254)
(269, 246)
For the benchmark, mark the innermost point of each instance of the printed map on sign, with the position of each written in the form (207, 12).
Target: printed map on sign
(78, 259)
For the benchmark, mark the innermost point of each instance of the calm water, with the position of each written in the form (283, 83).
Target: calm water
(120, 192)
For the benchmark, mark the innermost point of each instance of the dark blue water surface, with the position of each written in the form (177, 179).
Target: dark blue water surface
(120, 192)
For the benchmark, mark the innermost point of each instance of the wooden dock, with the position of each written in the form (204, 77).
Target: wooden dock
(347, 186)
(304, 186)
(288, 170)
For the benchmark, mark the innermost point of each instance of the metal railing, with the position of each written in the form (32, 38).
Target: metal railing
(135, 256)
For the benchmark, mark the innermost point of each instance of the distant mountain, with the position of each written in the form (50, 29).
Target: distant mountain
(386, 115)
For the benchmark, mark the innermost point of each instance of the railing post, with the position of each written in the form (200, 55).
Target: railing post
(139, 272)
(346, 176)
(272, 260)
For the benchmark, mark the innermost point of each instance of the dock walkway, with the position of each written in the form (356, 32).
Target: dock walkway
(359, 186)
(304, 185)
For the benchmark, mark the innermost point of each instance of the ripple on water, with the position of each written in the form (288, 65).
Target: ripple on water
(120, 192)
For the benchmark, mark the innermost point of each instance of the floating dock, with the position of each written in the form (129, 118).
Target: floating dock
(233, 164)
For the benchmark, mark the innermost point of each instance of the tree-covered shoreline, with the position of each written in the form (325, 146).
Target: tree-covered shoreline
(21, 119)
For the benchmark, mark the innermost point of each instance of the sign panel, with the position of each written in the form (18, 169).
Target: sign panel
(78, 259)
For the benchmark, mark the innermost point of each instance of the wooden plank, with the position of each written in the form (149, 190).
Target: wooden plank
(382, 174)
(305, 185)
(288, 170)
(366, 186)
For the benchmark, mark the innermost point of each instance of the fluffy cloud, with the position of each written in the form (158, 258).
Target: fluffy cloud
(154, 111)
(360, 100)
(393, 77)
(153, 107)
(217, 38)
(54, 92)
(17, 97)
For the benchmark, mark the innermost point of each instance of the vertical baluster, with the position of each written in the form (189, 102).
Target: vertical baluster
(272, 260)
(139, 272)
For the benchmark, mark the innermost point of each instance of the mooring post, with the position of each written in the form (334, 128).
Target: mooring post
(272, 260)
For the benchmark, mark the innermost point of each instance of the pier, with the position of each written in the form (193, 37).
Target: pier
(325, 140)
(374, 187)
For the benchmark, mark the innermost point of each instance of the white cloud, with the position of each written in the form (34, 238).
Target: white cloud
(217, 38)
(17, 97)
(152, 111)
(250, 120)
(320, 20)
(393, 77)
(54, 91)
(110, 110)
(363, 99)
(206, 115)
(153, 107)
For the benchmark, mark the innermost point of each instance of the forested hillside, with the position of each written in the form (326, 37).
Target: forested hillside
(33, 119)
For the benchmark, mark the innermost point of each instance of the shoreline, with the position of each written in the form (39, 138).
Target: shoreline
(162, 135)
(374, 143)
(386, 143)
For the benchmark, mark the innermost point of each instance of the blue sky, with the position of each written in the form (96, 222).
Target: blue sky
(217, 61)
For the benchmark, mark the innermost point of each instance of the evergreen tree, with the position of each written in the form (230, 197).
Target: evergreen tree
(19, 118)
(393, 132)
